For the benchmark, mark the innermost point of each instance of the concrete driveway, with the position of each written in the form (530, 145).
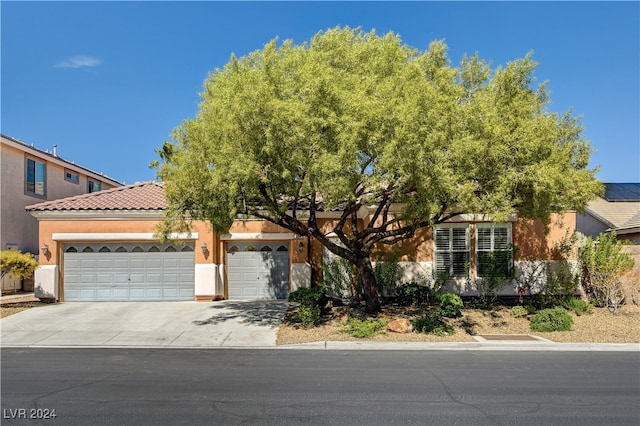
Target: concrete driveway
(146, 324)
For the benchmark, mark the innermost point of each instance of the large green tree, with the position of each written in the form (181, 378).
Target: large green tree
(354, 118)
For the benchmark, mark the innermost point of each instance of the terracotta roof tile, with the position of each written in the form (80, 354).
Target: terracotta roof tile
(139, 196)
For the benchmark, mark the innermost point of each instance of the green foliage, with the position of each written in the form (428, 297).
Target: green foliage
(519, 311)
(312, 296)
(603, 264)
(308, 315)
(365, 328)
(450, 305)
(497, 274)
(432, 324)
(352, 120)
(413, 294)
(16, 264)
(577, 305)
(388, 274)
(340, 278)
(556, 319)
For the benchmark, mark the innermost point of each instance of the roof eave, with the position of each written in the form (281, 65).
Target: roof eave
(156, 214)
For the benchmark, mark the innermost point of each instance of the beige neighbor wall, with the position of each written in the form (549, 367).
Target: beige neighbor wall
(16, 225)
(18, 229)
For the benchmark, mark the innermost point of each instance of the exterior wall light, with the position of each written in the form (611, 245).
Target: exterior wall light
(204, 248)
(300, 247)
(45, 249)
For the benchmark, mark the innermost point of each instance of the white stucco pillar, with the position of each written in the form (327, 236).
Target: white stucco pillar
(46, 282)
(205, 278)
(300, 276)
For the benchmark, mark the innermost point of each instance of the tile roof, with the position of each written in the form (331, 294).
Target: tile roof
(139, 196)
(614, 214)
(632, 223)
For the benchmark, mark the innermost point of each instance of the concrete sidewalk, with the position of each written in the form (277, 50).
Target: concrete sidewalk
(146, 324)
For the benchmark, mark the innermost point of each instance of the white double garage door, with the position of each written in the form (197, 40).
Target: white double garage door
(165, 272)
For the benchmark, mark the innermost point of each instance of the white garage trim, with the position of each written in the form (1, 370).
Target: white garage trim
(260, 236)
(120, 236)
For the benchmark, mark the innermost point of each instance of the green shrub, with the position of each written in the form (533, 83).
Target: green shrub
(519, 311)
(577, 305)
(313, 296)
(556, 319)
(309, 316)
(450, 305)
(414, 294)
(432, 324)
(365, 328)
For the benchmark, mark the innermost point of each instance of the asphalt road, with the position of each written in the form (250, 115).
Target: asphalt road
(287, 387)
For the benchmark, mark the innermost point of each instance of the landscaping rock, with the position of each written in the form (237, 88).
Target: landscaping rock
(401, 325)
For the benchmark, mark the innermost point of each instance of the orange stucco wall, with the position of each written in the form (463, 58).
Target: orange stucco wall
(215, 247)
(533, 240)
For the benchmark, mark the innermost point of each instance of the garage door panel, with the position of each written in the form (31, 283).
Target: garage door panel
(103, 293)
(120, 294)
(87, 293)
(260, 274)
(127, 275)
(104, 279)
(154, 263)
(120, 263)
(88, 263)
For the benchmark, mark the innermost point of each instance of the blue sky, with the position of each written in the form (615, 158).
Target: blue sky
(108, 81)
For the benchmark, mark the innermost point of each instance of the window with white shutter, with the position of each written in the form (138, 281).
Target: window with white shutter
(451, 250)
(494, 254)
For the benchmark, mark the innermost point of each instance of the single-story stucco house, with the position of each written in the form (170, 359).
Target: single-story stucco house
(102, 247)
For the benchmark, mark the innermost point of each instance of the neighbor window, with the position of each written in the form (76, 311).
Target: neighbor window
(36, 177)
(71, 176)
(452, 250)
(93, 186)
(494, 254)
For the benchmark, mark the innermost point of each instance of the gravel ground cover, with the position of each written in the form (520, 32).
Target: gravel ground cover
(598, 327)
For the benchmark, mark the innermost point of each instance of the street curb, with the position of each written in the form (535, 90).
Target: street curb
(383, 346)
(468, 346)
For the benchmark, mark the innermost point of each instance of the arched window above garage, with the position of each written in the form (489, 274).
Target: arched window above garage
(104, 249)
(283, 248)
(71, 249)
(121, 249)
(170, 249)
(87, 249)
(137, 249)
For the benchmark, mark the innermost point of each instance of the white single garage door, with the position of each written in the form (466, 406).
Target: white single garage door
(258, 270)
(128, 272)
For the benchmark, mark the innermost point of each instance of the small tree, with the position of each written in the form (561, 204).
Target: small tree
(603, 264)
(16, 264)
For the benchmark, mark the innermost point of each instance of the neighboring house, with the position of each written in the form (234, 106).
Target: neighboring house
(102, 246)
(30, 175)
(618, 210)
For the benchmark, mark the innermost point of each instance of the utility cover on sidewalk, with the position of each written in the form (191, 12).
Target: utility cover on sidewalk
(508, 337)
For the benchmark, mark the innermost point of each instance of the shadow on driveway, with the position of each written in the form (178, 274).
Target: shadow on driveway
(266, 313)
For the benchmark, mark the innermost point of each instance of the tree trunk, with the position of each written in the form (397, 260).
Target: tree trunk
(369, 291)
